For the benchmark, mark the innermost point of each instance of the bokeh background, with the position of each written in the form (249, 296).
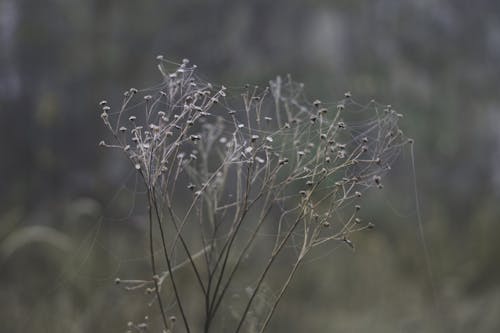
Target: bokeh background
(68, 221)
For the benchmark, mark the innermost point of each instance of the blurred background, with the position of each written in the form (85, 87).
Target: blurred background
(68, 220)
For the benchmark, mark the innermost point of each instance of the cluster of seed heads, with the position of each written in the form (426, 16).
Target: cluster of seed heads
(266, 149)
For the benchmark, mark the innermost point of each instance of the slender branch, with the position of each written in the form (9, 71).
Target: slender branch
(153, 266)
(169, 265)
(281, 293)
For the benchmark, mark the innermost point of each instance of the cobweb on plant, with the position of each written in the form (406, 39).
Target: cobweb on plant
(241, 171)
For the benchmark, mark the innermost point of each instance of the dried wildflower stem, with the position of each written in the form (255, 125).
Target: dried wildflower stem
(169, 264)
(265, 271)
(282, 291)
(288, 166)
(153, 266)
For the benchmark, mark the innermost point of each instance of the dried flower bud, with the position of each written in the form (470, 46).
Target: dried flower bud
(349, 242)
(283, 161)
(195, 138)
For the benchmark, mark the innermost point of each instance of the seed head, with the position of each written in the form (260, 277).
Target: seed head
(195, 138)
(349, 242)
(283, 161)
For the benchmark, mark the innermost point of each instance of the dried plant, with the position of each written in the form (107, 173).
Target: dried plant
(236, 179)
